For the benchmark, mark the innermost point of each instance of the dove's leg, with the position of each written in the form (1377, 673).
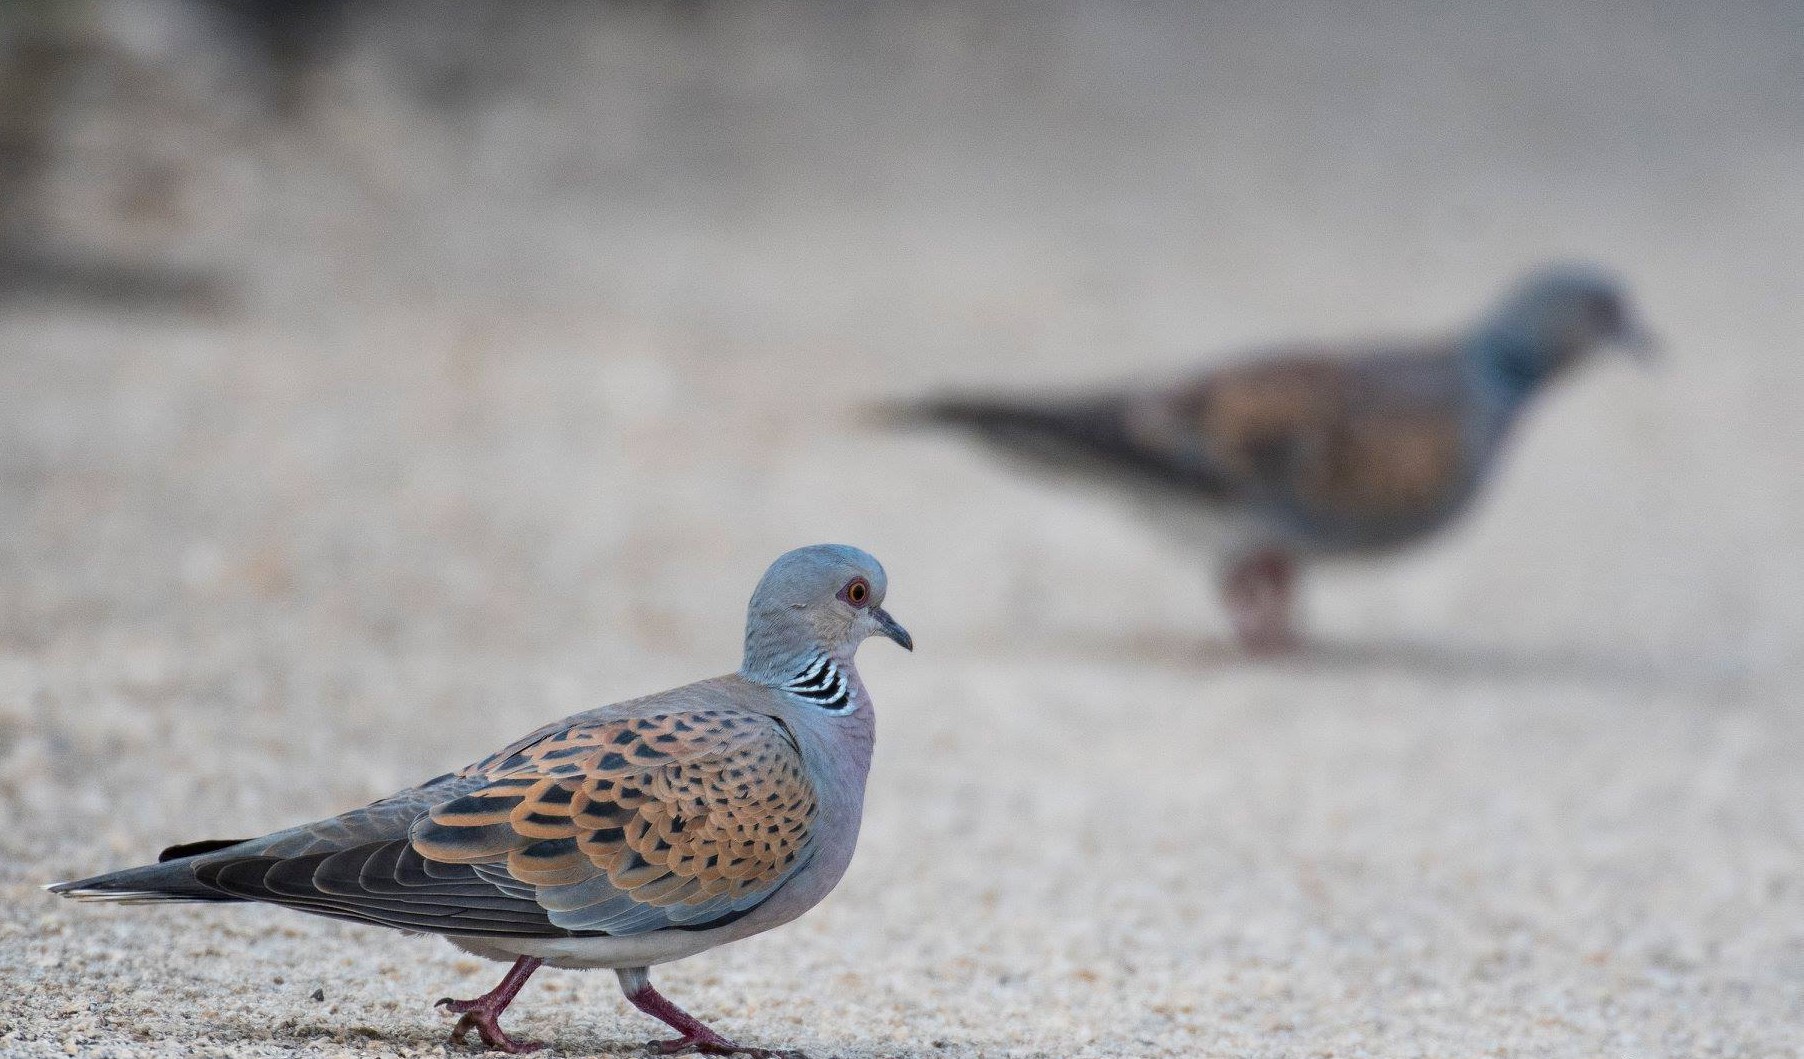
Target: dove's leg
(635, 982)
(484, 1013)
(1258, 588)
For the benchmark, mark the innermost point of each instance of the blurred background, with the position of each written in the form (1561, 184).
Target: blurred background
(379, 380)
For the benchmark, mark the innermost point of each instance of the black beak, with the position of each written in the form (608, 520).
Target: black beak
(893, 629)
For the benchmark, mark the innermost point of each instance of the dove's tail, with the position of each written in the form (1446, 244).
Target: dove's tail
(985, 415)
(171, 878)
(1047, 430)
(1087, 437)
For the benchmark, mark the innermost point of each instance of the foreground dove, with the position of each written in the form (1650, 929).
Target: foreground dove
(627, 836)
(1317, 451)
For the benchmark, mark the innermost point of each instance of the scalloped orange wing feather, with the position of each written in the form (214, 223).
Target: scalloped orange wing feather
(636, 823)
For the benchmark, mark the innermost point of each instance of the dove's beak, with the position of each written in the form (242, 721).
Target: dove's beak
(893, 629)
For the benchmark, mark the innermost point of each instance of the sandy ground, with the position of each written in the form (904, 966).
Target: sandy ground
(512, 402)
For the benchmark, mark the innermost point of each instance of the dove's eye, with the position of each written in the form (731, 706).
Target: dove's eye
(857, 592)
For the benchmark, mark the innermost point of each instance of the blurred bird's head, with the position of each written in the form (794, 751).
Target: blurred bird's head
(826, 598)
(1550, 321)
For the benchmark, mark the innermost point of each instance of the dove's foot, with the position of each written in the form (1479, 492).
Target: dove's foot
(488, 1027)
(696, 1036)
(484, 1013)
(1258, 590)
(1269, 642)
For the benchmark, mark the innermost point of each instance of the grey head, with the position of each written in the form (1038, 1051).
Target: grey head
(822, 600)
(1550, 321)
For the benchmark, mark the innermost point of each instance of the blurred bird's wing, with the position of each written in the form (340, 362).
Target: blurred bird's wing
(1328, 442)
(1345, 447)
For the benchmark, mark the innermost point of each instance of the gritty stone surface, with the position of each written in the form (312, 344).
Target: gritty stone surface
(510, 405)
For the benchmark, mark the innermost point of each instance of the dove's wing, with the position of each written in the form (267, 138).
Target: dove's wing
(1347, 449)
(608, 825)
(627, 825)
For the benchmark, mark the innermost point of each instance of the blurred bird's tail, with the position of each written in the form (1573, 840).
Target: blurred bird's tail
(1093, 438)
(1071, 436)
(170, 879)
(1017, 424)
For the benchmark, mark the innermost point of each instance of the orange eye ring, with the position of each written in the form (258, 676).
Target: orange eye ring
(857, 592)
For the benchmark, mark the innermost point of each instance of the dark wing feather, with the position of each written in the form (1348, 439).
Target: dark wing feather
(366, 883)
(357, 866)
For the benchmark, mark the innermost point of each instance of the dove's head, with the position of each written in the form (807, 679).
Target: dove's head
(826, 598)
(1551, 320)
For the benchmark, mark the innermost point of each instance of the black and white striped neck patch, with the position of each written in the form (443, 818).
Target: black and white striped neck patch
(820, 683)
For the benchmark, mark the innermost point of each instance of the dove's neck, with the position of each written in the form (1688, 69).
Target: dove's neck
(776, 657)
(825, 699)
(824, 683)
(1504, 368)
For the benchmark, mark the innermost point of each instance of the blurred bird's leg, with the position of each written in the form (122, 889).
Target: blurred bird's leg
(1258, 589)
(484, 1013)
(635, 982)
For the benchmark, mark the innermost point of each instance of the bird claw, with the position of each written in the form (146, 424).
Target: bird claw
(484, 1013)
(487, 1026)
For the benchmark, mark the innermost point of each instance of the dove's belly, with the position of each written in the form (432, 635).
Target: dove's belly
(578, 954)
(1227, 531)
(660, 946)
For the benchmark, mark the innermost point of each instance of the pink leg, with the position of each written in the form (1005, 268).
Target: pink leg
(696, 1036)
(1259, 589)
(484, 1013)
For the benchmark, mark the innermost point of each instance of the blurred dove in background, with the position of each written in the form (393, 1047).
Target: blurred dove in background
(1315, 451)
(630, 835)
